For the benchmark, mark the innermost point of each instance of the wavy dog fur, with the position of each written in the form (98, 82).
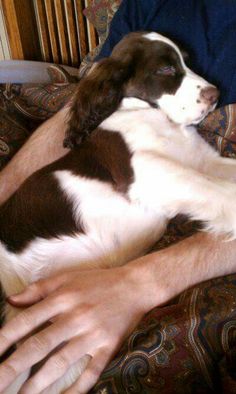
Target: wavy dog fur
(98, 96)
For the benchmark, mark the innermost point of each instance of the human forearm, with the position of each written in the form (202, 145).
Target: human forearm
(42, 148)
(163, 275)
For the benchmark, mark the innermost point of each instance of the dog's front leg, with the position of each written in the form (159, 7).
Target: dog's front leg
(223, 167)
(207, 160)
(171, 188)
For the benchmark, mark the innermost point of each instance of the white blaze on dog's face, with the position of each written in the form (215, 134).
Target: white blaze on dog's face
(159, 76)
(193, 99)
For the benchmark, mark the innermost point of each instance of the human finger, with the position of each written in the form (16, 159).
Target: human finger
(28, 320)
(92, 373)
(37, 291)
(57, 365)
(33, 350)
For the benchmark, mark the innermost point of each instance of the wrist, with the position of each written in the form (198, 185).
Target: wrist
(143, 277)
(162, 275)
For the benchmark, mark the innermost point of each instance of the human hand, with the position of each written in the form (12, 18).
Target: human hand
(91, 313)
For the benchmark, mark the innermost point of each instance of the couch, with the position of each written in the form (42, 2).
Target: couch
(188, 346)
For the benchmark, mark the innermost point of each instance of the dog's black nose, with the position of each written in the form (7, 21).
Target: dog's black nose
(209, 95)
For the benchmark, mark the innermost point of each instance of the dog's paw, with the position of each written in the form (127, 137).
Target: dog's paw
(224, 223)
(226, 169)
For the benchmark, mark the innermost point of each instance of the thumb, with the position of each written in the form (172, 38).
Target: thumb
(37, 291)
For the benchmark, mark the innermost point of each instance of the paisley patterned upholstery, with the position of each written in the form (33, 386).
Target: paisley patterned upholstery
(221, 125)
(100, 14)
(24, 106)
(186, 347)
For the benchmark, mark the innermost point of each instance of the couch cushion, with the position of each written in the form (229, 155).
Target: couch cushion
(24, 106)
(186, 347)
(100, 14)
(221, 126)
(23, 71)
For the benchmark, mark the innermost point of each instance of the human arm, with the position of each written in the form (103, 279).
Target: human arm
(43, 147)
(125, 295)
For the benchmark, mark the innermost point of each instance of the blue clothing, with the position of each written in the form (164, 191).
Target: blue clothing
(205, 28)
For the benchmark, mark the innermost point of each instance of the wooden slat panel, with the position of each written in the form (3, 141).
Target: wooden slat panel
(72, 32)
(5, 48)
(81, 28)
(41, 18)
(62, 30)
(52, 28)
(1, 53)
(13, 31)
(92, 36)
(28, 29)
(21, 29)
(93, 39)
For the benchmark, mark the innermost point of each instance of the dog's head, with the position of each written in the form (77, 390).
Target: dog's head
(147, 66)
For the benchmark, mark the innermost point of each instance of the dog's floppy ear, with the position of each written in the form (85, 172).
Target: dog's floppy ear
(98, 95)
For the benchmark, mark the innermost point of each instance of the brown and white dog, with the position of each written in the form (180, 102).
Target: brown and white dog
(135, 162)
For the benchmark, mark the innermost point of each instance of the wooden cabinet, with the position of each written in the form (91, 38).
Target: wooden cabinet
(48, 30)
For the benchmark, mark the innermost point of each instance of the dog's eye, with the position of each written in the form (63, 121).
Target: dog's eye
(166, 70)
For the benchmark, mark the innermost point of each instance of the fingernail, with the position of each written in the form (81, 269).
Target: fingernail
(18, 295)
(12, 297)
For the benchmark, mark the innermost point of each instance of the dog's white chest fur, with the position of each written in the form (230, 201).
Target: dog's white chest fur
(147, 129)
